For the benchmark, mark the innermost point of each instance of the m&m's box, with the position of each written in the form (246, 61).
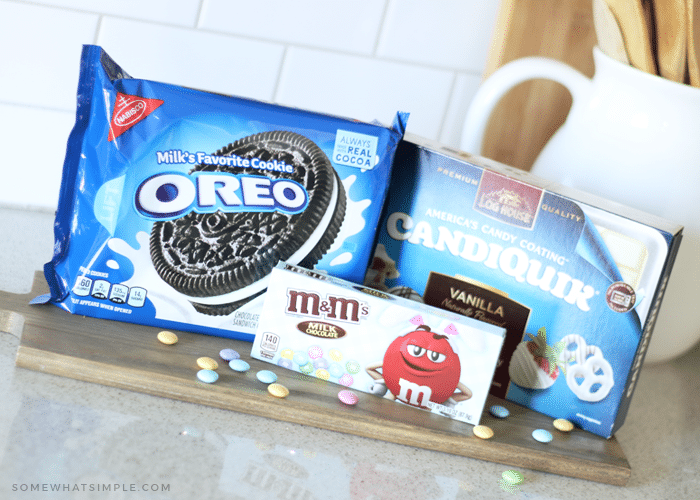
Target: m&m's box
(420, 356)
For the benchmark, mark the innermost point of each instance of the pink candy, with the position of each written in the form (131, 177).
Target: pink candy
(315, 352)
(348, 397)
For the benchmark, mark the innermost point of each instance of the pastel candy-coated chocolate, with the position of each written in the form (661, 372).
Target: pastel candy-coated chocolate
(166, 337)
(315, 352)
(483, 432)
(499, 411)
(542, 435)
(321, 364)
(239, 365)
(336, 370)
(206, 363)
(563, 425)
(229, 354)
(300, 358)
(207, 376)
(352, 367)
(513, 477)
(278, 390)
(285, 363)
(348, 397)
(266, 376)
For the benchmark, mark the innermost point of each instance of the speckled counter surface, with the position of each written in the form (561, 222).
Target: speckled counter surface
(90, 441)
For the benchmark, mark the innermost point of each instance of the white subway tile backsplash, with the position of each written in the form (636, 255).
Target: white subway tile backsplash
(33, 142)
(181, 12)
(40, 54)
(192, 58)
(365, 59)
(446, 33)
(365, 88)
(331, 24)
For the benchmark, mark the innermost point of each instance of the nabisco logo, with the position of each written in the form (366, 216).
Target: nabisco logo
(507, 200)
(330, 307)
(128, 111)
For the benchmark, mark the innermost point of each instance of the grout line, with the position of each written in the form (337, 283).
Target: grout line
(283, 63)
(448, 103)
(39, 107)
(98, 29)
(200, 14)
(380, 31)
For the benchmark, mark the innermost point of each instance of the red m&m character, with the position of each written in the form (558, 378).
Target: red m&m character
(421, 366)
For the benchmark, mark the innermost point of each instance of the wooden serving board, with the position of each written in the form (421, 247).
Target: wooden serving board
(528, 115)
(130, 357)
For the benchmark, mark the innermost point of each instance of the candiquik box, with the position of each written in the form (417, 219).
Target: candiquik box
(420, 356)
(576, 280)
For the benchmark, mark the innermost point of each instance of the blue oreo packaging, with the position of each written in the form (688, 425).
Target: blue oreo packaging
(176, 204)
(576, 281)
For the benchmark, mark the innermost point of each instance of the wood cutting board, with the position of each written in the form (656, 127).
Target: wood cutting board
(531, 112)
(130, 357)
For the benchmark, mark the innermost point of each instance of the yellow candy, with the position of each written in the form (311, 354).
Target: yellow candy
(335, 355)
(206, 363)
(323, 374)
(278, 390)
(167, 338)
(483, 432)
(287, 354)
(563, 425)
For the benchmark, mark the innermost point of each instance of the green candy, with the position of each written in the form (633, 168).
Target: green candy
(513, 477)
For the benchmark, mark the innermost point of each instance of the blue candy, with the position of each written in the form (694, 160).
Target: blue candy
(266, 377)
(542, 435)
(499, 411)
(207, 376)
(239, 365)
(301, 358)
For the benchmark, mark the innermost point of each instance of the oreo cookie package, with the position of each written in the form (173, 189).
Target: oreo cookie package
(176, 204)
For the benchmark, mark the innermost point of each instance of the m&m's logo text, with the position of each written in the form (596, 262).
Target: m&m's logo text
(329, 307)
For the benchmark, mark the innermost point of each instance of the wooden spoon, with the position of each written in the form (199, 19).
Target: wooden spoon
(635, 33)
(693, 32)
(608, 32)
(671, 38)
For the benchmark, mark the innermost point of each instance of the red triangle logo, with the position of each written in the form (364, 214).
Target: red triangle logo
(128, 111)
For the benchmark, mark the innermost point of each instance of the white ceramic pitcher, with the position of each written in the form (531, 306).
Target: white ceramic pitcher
(631, 137)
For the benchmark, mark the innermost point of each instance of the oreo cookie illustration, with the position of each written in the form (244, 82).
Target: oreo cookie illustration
(221, 260)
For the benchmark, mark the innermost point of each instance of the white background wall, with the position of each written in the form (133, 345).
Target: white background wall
(364, 59)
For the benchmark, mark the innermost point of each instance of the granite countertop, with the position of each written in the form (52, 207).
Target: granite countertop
(92, 441)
